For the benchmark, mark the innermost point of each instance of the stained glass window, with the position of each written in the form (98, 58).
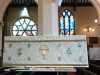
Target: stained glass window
(67, 23)
(24, 27)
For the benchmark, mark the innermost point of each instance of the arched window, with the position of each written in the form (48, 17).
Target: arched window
(67, 23)
(24, 26)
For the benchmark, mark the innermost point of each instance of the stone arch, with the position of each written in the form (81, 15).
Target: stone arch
(3, 6)
(96, 4)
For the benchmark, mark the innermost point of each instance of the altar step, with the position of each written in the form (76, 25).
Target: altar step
(94, 69)
(79, 72)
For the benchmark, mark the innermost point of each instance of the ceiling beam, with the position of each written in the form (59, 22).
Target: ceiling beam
(75, 3)
(18, 3)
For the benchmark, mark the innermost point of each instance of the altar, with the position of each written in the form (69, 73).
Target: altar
(45, 51)
(48, 50)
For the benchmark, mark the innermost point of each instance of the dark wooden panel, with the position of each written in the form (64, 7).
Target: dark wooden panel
(23, 3)
(76, 3)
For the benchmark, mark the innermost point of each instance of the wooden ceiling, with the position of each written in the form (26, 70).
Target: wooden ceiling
(64, 3)
(76, 3)
(23, 3)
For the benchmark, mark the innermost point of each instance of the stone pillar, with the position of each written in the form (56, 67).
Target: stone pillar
(1, 26)
(47, 17)
(0, 38)
(96, 4)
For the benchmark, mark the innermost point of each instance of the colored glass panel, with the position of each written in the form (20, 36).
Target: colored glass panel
(24, 27)
(67, 24)
(61, 23)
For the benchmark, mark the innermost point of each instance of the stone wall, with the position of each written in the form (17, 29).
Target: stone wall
(83, 18)
(13, 13)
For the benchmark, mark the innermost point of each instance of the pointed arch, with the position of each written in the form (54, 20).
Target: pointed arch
(66, 23)
(3, 6)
